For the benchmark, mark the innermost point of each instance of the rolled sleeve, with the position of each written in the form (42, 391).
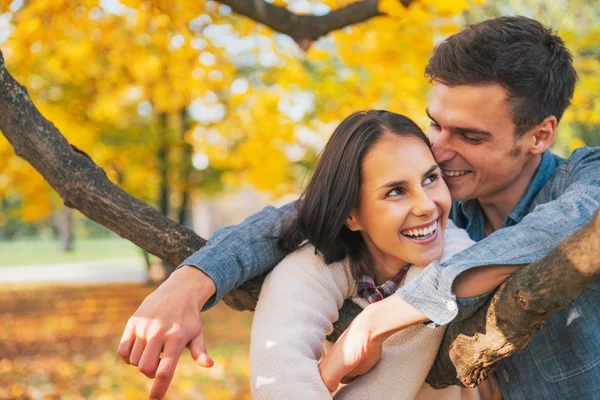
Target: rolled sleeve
(235, 254)
(430, 293)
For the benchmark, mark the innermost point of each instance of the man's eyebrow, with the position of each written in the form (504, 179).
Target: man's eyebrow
(429, 115)
(463, 130)
(472, 131)
(393, 184)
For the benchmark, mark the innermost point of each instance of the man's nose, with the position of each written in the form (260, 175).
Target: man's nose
(441, 147)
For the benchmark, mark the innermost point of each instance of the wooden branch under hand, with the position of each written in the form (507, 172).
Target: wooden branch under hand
(517, 310)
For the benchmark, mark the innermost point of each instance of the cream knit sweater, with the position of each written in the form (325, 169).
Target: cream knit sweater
(298, 304)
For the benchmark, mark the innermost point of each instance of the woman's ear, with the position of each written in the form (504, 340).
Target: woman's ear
(352, 221)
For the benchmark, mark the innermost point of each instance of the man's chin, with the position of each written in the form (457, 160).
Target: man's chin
(460, 194)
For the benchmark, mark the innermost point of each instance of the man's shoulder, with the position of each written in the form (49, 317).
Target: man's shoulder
(581, 157)
(582, 165)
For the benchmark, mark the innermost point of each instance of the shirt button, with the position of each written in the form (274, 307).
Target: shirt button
(451, 305)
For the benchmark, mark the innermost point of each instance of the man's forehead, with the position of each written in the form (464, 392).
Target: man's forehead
(468, 93)
(473, 104)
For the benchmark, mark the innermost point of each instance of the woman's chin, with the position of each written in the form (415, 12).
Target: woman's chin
(428, 257)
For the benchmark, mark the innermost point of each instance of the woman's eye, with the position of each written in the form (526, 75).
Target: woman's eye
(431, 178)
(395, 192)
(434, 125)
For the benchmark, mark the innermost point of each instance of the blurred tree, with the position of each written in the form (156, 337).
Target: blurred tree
(167, 97)
(576, 21)
(259, 128)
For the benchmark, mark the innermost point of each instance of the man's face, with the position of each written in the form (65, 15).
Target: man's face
(473, 139)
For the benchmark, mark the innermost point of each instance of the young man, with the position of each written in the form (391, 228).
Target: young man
(500, 89)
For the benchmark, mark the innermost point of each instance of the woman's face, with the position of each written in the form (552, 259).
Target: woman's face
(403, 205)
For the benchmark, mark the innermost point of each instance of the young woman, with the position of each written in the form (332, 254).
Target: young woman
(375, 210)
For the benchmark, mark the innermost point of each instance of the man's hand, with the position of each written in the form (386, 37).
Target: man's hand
(167, 322)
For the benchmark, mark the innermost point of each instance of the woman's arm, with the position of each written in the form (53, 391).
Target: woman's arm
(359, 347)
(298, 304)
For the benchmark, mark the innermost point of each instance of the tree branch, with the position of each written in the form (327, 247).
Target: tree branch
(305, 29)
(81, 183)
(517, 310)
(470, 347)
(84, 186)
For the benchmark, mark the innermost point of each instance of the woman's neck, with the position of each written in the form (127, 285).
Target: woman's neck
(384, 266)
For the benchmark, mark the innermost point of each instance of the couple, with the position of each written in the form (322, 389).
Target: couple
(499, 90)
(375, 210)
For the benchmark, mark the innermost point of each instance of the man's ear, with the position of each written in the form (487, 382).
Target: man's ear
(543, 135)
(352, 221)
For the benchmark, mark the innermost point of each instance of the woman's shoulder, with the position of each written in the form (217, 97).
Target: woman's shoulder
(306, 254)
(307, 259)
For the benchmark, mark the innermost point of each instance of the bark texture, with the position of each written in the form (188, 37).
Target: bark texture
(305, 29)
(517, 310)
(81, 183)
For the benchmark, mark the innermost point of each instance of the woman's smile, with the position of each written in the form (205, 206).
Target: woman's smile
(422, 234)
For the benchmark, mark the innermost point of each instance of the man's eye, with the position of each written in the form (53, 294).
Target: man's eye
(434, 125)
(472, 140)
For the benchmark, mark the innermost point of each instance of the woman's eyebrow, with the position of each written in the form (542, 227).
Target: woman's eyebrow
(393, 184)
(430, 170)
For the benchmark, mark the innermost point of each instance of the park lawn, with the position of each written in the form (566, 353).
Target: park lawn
(59, 342)
(39, 251)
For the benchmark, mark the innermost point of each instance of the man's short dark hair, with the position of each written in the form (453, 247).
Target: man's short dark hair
(527, 59)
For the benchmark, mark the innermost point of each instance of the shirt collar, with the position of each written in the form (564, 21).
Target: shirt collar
(471, 210)
(543, 173)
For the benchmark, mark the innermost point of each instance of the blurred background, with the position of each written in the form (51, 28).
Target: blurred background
(208, 116)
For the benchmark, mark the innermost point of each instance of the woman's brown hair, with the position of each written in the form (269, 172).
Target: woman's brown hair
(333, 190)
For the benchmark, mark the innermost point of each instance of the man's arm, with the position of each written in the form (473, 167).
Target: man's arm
(236, 254)
(168, 319)
(577, 197)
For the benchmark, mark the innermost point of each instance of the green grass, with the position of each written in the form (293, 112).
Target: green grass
(39, 251)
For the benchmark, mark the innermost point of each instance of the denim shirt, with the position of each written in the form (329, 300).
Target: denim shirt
(562, 197)
(562, 361)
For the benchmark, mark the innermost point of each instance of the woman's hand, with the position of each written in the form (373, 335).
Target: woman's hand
(353, 354)
(359, 348)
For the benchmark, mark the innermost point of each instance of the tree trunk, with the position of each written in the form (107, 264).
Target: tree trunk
(164, 193)
(81, 183)
(185, 168)
(64, 222)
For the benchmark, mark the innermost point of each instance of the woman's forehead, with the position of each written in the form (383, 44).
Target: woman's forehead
(396, 157)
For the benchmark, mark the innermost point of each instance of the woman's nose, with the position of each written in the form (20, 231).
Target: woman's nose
(423, 204)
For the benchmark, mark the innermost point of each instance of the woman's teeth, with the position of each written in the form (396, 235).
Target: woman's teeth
(421, 233)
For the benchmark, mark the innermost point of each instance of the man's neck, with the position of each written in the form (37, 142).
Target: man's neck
(498, 206)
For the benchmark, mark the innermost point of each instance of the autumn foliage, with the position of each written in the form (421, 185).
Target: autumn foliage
(60, 343)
